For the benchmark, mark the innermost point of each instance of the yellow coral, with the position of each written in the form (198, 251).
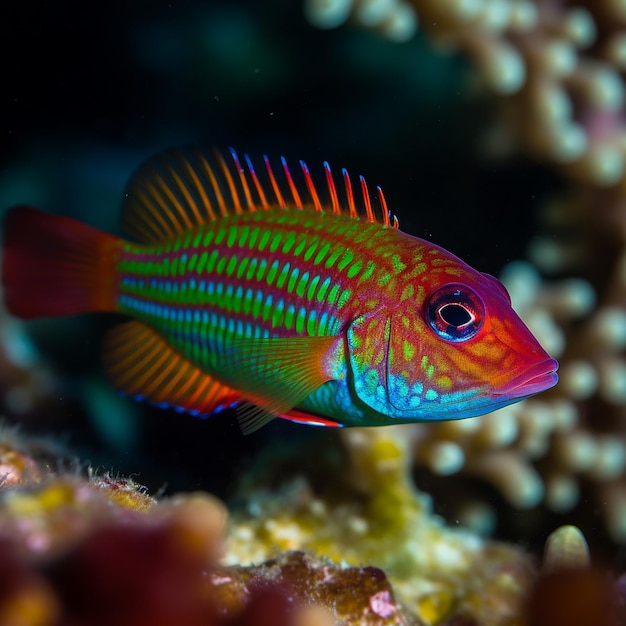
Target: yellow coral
(383, 520)
(49, 498)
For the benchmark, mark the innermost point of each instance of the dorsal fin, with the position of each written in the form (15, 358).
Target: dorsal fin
(185, 187)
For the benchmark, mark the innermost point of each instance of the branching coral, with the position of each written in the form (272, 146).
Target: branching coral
(558, 66)
(558, 71)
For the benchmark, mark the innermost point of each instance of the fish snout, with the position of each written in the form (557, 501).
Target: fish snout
(533, 379)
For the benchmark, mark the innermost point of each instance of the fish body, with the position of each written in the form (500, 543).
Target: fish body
(322, 313)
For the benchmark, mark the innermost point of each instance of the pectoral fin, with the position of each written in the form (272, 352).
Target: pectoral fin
(276, 374)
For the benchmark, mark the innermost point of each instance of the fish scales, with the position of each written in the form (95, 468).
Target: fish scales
(270, 274)
(259, 295)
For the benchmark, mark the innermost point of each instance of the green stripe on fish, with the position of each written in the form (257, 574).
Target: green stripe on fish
(288, 300)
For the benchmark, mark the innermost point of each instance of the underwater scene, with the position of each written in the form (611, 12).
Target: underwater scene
(241, 389)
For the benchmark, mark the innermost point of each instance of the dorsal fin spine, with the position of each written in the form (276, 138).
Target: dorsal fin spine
(208, 170)
(349, 194)
(366, 200)
(292, 186)
(161, 195)
(311, 186)
(144, 229)
(231, 184)
(165, 192)
(386, 211)
(275, 187)
(257, 184)
(181, 190)
(180, 210)
(159, 218)
(206, 204)
(330, 183)
(242, 178)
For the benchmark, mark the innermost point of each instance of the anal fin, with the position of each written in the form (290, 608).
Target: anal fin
(140, 363)
(310, 419)
(251, 417)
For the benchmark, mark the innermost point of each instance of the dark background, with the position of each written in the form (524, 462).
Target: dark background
(88, 90)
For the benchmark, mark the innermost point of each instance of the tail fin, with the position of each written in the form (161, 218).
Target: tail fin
(53, 266)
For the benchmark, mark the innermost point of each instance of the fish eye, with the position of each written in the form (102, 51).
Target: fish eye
(455, 312)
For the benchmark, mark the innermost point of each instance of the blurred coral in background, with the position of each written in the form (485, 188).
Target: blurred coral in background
(497, 130)
(555, 73)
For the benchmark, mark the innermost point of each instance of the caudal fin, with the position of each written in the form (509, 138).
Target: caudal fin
(54, 265)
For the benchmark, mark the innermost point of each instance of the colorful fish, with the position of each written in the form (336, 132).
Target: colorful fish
(260, 295)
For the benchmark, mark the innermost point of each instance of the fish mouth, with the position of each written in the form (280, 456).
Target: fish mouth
(532, 380)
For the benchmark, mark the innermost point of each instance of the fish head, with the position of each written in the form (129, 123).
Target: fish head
(457, 351)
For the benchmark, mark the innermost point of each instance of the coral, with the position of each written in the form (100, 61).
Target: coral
(569, 590)
(17, 464)
(558, 72)
(95, 549)
(440, 575)
(590, 446)
(72, 556)
(89, 549)
(395, 19)
(123, 491)
(357, 595)
(376, 516)
(559, 68)
(566, 548)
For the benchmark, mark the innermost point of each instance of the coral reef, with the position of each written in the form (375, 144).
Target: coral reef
(98, 550)
(90, 550)
(356, 543)
(376, 516)
(558, 71)
(559, 67)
